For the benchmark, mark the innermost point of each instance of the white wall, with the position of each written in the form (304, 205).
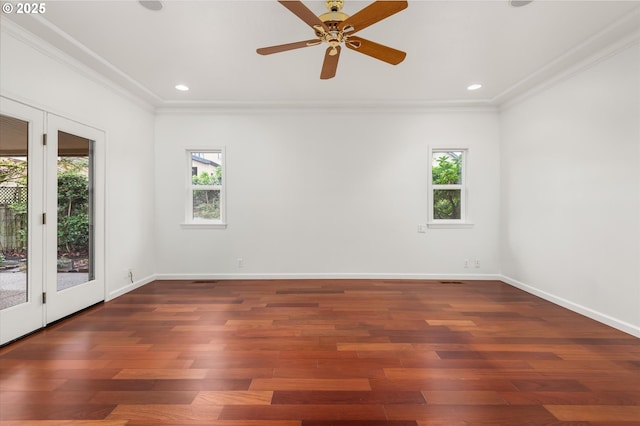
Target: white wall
(554, 185)
(33, 73)
(318, 193)
(571, 192)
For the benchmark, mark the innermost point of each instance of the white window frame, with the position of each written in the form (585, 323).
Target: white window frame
(464, 221)
(190, 222)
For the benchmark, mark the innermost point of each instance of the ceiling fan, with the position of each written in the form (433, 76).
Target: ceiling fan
(337, 28)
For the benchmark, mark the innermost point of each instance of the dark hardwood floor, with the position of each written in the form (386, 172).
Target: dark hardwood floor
(320, 353)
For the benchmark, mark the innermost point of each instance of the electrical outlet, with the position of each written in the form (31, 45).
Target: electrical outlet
(477, 263)
(466, 263)
(422, 228)
(240, 262)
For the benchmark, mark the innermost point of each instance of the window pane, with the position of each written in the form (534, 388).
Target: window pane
(446, 168)
(206, 204)
(446, 204)
(13, 211)
(206, 168)
(75, 263)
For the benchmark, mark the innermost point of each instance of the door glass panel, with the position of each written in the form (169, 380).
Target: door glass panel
(14, 146)
(75, 263)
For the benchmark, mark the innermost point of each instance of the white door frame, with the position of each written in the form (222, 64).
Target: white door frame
(25, 318)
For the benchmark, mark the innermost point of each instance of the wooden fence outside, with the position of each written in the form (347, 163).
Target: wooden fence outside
(10, 222)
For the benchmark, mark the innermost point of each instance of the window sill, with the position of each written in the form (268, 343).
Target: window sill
(444, 225)
(203, 225)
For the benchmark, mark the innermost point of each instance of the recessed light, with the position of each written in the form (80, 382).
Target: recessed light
(154, 5)
(474, 86)
(519, 3)
(182, 87)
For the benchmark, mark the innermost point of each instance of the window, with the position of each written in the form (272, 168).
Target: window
(205, 188)
(448, 192)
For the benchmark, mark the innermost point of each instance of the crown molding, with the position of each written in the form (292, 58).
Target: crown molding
(611, 40)
(84, 61)
(207, 107)
(592, 61)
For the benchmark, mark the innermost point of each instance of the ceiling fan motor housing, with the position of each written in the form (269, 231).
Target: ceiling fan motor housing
(334, 16)
(332, 19)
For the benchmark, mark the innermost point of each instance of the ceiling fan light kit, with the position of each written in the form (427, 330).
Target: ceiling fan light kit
(337, 29)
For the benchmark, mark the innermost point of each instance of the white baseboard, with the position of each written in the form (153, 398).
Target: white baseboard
(583, 310)
(301, 276)
(129, 287)
(328, 276)
(588, 312)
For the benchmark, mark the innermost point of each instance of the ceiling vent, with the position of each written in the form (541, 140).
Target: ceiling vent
(519, 3)
(154, 5)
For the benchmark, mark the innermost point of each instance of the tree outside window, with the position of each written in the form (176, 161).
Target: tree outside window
(447, 185)
(205, 204)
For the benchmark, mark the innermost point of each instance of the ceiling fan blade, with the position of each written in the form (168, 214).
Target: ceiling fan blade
(288, 46)
(378, 51)
(330, 64)
(301, 11)
(371, 14)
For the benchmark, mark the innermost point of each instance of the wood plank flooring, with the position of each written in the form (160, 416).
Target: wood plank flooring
(322, 353)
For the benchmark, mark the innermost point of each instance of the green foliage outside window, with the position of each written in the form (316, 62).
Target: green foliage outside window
(206, 202)
(73, 208)
(73, 202)
(13, 171)
(205, 178)
(447, 171)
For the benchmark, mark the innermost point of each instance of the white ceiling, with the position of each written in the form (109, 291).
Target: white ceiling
(210, 46)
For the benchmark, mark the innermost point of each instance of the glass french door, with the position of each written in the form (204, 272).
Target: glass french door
(21, 233)
(74, 230)
(52, 227)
